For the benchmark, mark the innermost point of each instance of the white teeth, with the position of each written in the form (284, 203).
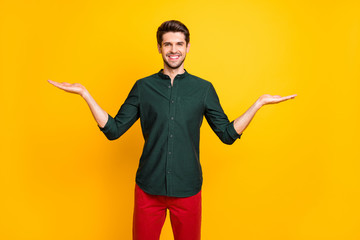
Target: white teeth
(174, 57)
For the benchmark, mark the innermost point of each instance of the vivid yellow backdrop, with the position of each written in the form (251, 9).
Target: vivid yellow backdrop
(294, 174)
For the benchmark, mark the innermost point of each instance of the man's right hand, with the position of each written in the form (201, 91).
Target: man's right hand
(70, 87)
(100, 116)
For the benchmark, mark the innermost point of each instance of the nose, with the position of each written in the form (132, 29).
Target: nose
(173, 48)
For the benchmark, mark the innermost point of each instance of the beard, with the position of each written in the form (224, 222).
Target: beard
(173, 67)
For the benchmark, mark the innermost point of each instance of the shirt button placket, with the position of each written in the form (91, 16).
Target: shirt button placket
(170, 155)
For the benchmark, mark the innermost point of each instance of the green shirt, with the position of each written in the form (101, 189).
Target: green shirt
(170, 118)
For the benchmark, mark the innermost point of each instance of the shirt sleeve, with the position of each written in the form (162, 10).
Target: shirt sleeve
(217, 119)
(126, 116)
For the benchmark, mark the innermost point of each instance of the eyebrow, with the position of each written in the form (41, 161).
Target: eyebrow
(182, 42)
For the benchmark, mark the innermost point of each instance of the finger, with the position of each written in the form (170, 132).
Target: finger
(52, 82)
(55, 83)
(59, 85)
(288, 97)
(292, 96)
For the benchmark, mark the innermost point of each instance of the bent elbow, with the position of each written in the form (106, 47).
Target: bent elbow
(112, 138)
(228, 141)
(230, 136)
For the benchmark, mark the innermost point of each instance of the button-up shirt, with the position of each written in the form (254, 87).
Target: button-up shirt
(170, 117)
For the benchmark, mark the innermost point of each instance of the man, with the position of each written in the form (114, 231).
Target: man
(171, 105)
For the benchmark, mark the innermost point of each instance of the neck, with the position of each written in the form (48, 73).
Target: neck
(173, 72)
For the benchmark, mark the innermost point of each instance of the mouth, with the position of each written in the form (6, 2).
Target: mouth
(173, 57)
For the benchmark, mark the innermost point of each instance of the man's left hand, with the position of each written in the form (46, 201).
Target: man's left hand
(270, 99)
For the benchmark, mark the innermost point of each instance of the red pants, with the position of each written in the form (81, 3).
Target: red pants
(150, 213)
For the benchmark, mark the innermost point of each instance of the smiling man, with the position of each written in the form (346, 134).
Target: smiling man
(171, 105)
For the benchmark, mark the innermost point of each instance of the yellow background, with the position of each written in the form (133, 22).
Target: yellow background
(293, 175)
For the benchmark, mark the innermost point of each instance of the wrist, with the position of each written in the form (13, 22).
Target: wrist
(85, 94)
(258, 104)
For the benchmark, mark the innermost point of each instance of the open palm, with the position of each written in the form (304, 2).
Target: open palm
(270, 99)
(69, 87)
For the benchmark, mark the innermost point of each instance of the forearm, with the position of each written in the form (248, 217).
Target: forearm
(100, 116)
(243, 121)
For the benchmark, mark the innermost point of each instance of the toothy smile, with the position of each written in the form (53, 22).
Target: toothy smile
(174, 56)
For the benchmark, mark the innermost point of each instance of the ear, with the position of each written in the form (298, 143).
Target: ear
(159, 48)
(187, 47)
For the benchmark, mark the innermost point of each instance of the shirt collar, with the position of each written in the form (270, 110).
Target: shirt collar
(164, 76)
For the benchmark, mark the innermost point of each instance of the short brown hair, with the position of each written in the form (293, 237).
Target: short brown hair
(172, 26)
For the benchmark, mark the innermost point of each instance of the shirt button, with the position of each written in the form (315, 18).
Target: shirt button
(169, 86)
(171, 135)
(169, 172)
(169, 153)
(172, 101)
(172, 118)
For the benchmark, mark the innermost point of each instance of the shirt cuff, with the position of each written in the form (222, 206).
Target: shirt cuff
(232, 131)
(106, 127)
